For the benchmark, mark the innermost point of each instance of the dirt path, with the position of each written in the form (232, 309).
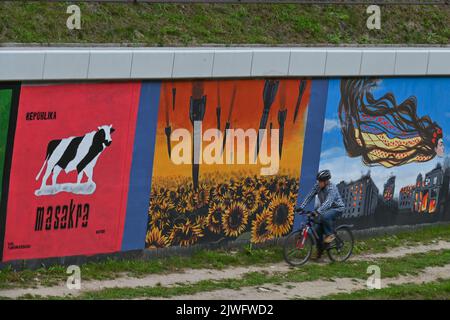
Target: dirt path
(313, 289)
(195, 275)
(402, 251)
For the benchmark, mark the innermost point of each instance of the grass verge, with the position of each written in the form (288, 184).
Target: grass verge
(436, 290)
(411, 264)
(217, 259)
(197, 24)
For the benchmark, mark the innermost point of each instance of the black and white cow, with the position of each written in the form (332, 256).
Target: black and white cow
(75, 153)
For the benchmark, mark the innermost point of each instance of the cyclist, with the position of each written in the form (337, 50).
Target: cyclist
(331, 206)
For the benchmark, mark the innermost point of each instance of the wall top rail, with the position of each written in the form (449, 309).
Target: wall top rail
(78, 63)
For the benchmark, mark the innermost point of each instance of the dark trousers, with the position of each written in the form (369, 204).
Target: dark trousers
(326, 225)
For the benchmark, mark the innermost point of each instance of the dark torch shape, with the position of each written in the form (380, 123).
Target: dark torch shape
(218, 108)
(301, 91)
(281, 120)
(168, 128)
(197, 109)
(174, 94)
(228, 123)
(168, 131)
(269, 94)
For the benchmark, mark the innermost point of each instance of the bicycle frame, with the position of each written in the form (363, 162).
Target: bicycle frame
(337, 250)
(307, 228)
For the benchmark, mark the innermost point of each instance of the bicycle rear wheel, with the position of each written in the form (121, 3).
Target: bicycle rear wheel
(298, 247)
(342, 247)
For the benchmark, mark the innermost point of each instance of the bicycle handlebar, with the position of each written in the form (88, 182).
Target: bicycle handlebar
(304, 212)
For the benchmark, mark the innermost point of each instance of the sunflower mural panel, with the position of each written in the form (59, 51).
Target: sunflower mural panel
(388, 136)
(199, 201)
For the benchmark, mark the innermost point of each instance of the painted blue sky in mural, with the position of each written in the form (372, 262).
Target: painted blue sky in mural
(433, 99)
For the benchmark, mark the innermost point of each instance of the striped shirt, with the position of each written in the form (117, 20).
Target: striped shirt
(329, 198)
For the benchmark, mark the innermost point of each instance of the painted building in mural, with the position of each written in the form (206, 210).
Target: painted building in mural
(388, 193)
(394, 128)
(406, 198)
(103, 167)
(360, 197)
(431, 192)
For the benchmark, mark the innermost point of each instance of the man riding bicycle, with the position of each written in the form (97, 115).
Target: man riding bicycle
(331, 206)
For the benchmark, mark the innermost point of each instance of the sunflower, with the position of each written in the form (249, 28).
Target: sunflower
(220, 190)
(162, 192)
(249, 183)
(264, 196)
(181, 190)
(185, 234)
(184, 204)
(156, 202)
(201, 197)
(201, 221)
(260, 231)
(155, 239)
(281, 215)
(235, 219)
(159, 219)
(173, 196)
(293, 196)
(214, 218)
(282, 186)
(251, 201)
(226, 200)
(238, 189)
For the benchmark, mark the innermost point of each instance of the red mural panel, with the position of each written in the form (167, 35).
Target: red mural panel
(70, 169)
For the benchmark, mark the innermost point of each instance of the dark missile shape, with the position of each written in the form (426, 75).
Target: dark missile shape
(301, 91)
(269, 94)
(281, 120)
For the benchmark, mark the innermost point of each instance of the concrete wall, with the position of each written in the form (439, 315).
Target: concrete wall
(176, 63)
(88, 168)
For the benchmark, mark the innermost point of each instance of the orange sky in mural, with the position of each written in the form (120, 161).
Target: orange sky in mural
(247, 111)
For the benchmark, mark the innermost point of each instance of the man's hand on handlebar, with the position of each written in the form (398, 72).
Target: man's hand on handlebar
(299, 210)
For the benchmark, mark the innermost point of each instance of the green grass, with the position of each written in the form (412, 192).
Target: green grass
(217, 259)
(5, 107)
(197, 24)
(411, 264)
(423, 236)
(113, 268)
(438, 290)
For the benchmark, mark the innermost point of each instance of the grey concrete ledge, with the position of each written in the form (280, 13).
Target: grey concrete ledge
(83, 63)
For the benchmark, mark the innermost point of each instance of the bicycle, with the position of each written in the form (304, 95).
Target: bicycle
(299, 244)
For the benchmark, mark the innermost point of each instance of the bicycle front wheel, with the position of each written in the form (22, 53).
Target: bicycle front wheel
(342, 247)
(298, 247)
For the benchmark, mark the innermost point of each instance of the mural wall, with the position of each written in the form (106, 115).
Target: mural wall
(91, 168)
(70, 169)
(227, 198)
(384, 140)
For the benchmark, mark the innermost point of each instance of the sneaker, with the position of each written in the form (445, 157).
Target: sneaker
(329, 239)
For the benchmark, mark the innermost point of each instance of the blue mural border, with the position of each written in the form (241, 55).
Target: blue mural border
(141, 168)
(312, 143)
